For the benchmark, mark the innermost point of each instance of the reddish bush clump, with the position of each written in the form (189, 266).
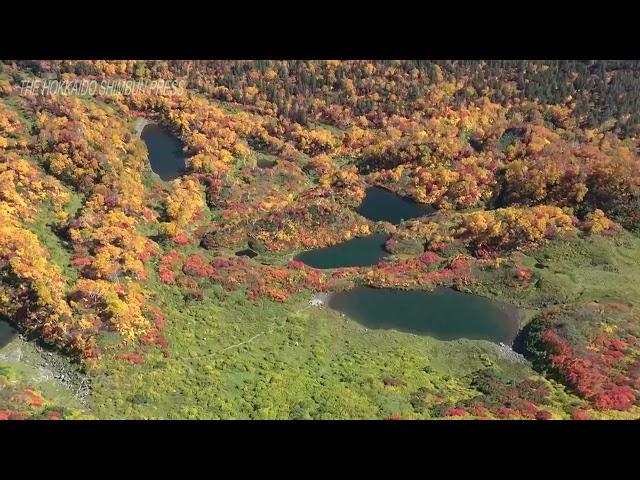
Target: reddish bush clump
(166, 275)
(543, 415)
(159, 319)
(616, 397)
(5, 414)
(429, 258)
(595, 368)
(196, 266)
(455, 412)
(181, 239)
(11, 415)
(478, 411)
(505, 413)
(523, 275)
(134, 358)
(580, 415)
(32, 398)
(296, 264)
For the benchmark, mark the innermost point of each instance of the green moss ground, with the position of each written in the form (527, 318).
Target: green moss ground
(231, 358)
(234, 359)
(592, 268)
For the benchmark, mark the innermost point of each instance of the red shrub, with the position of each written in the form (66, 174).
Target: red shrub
(459, 263)
(524, 274)
(527, 414)
(134, 358)
(580, 415)
(617, 397)
(81, 261)
(5, 414)
(170, 259)
(455, 412)
(11, 415)
(543, 415)
(147, 338)
(296, 264)
(181, 239)
(220, 263)
(187, 283)
(162, 342)
(158, 318)
(429, 258)
(154, 338)
(150, 250)
(148, 215)
(32, 398)
(390, 244)
(505, 413)
(166, 275)
(478, 411)
(195, 265)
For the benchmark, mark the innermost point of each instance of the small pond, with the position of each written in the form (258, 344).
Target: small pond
(382, 205)
(7, 333)
(165, 151)
(357, 252)
(246, 253)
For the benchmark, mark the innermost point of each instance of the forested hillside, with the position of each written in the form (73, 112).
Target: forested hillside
(532, 169)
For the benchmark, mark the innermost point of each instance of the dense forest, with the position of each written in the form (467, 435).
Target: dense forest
(134, 282)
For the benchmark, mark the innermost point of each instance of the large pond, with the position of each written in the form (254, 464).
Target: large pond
(165, 151)
(382, 205)
(443, 313)
(358, 252)
(7, 333)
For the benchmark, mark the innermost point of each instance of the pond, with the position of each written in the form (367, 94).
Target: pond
(165, 151)
(382, 205)
(246, 253)
(358, 252)
(7, 333)
(443, 313)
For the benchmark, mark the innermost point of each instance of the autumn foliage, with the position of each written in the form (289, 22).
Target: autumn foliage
(279, 155)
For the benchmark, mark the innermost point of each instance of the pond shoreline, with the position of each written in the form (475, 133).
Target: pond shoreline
(443, 313)
(356, 252)
(140, 124)
(381, 204)
(164, 149)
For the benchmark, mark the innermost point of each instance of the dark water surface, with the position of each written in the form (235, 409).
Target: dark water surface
(443, 313)
(246, 253)
(358, 252)
(165, 151)
(379, 204)
(7, 333)
(383, 205)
